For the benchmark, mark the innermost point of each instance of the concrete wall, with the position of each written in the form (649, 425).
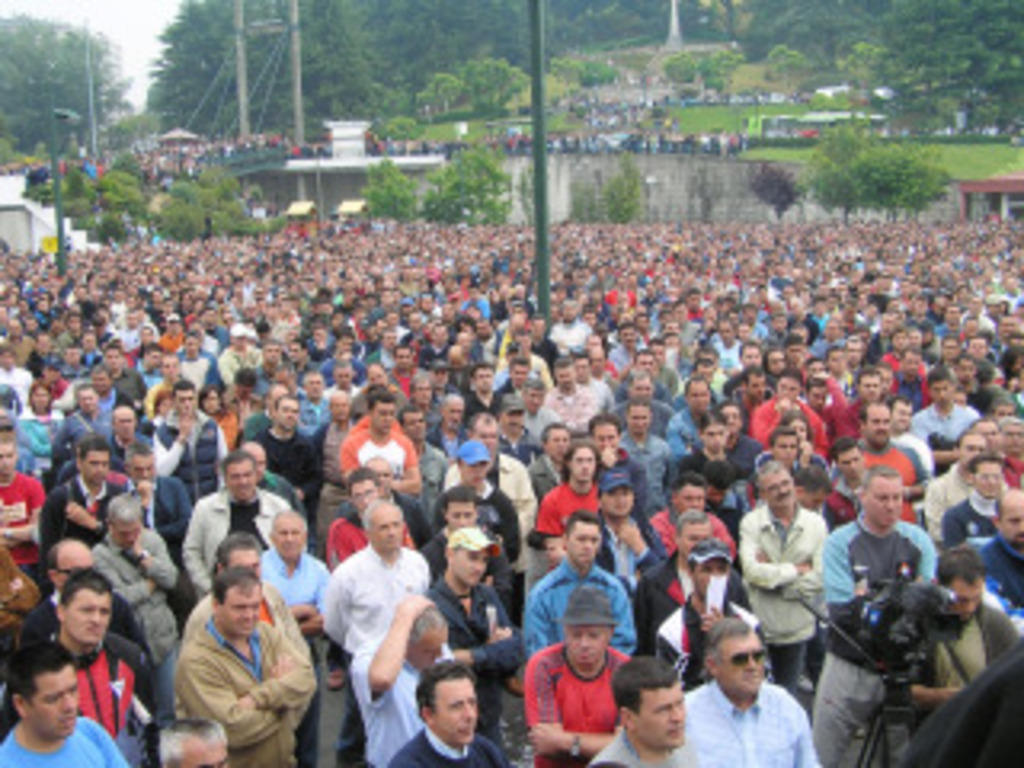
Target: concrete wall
(683, 188)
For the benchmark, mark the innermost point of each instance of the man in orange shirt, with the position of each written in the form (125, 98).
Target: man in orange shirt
(878, 448)
(377, 435)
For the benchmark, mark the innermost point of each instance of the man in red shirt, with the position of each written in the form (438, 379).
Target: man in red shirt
(570, 709)
(878, 448)
(21, 498)
(579, 491)
(787, 397)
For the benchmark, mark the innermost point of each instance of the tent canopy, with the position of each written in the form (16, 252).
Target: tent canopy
(301, 208)
(350, 207)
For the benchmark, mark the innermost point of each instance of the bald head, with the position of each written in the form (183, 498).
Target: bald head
(67, 556)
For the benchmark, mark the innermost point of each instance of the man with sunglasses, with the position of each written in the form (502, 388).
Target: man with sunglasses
(738, 717)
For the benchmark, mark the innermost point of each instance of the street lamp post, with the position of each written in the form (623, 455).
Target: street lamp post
(71, 117)
(542, 255)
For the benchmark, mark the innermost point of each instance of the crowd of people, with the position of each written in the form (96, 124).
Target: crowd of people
(236, 475)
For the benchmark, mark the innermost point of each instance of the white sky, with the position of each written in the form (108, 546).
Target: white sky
(131, 25)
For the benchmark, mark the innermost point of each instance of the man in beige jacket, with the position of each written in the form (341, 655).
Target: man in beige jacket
(781, 546)
(244, 673)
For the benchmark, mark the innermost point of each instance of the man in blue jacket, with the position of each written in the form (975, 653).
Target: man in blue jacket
(629, 544)
(1004, 556)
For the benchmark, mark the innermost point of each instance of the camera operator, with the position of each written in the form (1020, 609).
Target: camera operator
(876, 548)
(986, 633)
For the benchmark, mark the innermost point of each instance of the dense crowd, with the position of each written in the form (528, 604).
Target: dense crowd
(235, 474)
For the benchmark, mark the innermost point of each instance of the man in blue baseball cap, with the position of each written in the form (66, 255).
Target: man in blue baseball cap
(629, 544)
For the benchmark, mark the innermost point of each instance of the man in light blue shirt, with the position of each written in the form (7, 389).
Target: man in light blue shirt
(548, 599)
(43, 687)
(302, 581)
(385, 677)
(739, 720)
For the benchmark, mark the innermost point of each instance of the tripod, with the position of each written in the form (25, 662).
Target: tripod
(892, 725)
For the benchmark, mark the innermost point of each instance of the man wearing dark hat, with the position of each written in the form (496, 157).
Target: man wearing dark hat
(570, 709)
(680, 639)
(629, 544)
(513, 438)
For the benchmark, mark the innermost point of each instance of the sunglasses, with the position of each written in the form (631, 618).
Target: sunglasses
(743, 659)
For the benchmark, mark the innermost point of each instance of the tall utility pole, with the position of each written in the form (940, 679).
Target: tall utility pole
(300, 120)
(241, 71)
(92, 99)
(542, 256)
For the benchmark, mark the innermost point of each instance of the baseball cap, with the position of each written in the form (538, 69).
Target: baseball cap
(512, 403)
(473, 539)
(473, 452)
(617, 477)
(239, 330)
(710, 549)
(174, 317)
(588, 606)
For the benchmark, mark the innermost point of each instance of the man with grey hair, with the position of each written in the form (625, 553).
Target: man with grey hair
(739, 715)
(781, 546)
(385, 676)
(450, 433)
(328, 440)
(139, 567)
(364, 591)
(537, 415)
(193, 743)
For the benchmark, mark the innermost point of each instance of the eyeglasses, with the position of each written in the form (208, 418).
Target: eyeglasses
(744, 658)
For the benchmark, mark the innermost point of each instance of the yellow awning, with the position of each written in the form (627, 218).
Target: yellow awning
(301, 208)
(348, 207)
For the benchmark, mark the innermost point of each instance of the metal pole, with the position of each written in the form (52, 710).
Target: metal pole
(241, 71)
(542, 255)
(300, 121)
(92, 99)
(58, 199)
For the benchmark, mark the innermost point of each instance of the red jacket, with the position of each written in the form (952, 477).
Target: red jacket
(767, 417)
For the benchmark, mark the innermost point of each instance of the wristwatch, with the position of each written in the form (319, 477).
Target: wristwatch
(574, 751)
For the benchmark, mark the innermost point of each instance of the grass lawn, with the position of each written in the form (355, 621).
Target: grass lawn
(961, 161)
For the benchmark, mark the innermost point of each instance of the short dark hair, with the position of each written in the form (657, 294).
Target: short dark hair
(91, 443)
(602, 419)
(183, 385)
(581, 517)
(842, 445)
(28, 663)
(813, 479)
(961, 562)
(689, 477)
(239, 541)
(233, 577)
(983, 458)
(711, 419)
(780, 432)
(361, 475)
(434, 675)
(236, 456)
(643, 673)
(137, 449)
(939, 374)
(379, 395)
(86, 578)
(458, 494)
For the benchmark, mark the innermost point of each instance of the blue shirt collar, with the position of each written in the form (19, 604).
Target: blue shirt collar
(443, 749)
(255, 666)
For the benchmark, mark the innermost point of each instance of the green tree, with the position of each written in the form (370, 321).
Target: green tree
(442, 92)
(473, 188)
(569, 71)
(492, 83)
(389, 193)
(595, 73)
(623, 195)
(864, 63)
(718, 69)
(964, 54)
(898, 178)
(681, 68)
(120, 193)
(126, 133)
(785, 63)
(832, 180)
(402, 129)
(42, 65)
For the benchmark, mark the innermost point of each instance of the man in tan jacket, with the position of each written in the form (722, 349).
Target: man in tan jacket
(244, 674)
(781, 546)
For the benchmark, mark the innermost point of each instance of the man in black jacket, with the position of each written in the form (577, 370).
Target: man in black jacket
(666, 588)
(458, 505)
(480, 633)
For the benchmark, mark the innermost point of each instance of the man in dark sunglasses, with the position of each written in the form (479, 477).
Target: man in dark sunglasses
(739, 718)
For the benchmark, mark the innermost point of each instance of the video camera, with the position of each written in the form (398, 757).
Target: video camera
(902, 621)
